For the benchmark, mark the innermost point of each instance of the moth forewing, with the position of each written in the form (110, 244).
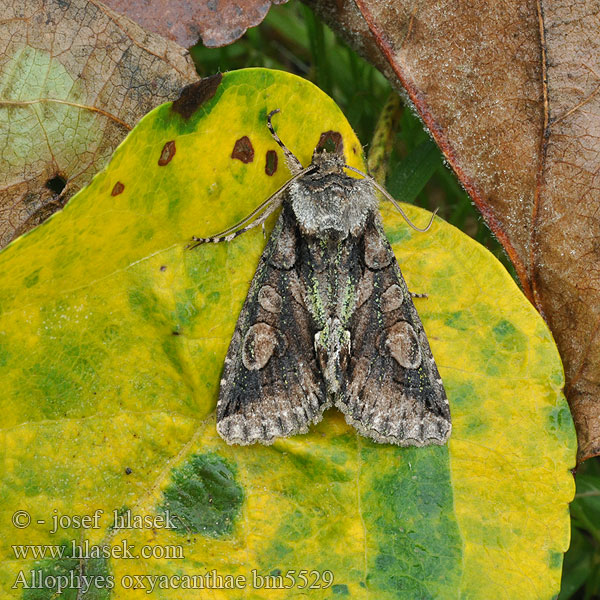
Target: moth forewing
(395, 393)
(328, 320)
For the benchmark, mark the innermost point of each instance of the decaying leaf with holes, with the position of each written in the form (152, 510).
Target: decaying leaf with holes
(74, 80)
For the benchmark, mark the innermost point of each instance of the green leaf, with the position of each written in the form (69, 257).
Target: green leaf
(409, 177)
(577, 567)
(112, 341)
(586, 506)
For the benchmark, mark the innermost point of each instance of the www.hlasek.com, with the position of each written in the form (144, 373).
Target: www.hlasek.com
(77, 553)
(211, 580)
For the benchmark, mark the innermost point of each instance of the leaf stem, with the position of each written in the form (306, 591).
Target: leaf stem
(383, 138)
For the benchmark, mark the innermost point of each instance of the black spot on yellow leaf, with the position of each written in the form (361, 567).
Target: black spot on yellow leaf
(271, 162)
(243, 150)
(117, 189)
(194, 95)
(167, 153)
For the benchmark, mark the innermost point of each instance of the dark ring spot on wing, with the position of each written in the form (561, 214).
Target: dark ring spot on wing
(269, 299)
(392, 298)
(258, 346)
(402, 343)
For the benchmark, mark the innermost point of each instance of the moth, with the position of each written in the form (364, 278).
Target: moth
(328, 319)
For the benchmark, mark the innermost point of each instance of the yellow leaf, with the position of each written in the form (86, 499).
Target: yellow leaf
(112, 340)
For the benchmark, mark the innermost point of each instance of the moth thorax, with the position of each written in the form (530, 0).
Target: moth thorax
(337, 208)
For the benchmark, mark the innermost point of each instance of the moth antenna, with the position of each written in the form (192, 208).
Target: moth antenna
(293, 164)
(271, 204)
(393, 200)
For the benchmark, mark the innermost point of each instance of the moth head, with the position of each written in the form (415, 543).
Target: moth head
(328, 155)
(326, 161)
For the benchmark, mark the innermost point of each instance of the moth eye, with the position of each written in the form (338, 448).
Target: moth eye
(259, 344)
(403, 345)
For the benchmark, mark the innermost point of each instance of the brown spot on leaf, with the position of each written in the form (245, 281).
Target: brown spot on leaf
(163, 268)
(168, 152)
(195, 94)
(243, 150)
(271, 163)
(117, 189)
(331, 141)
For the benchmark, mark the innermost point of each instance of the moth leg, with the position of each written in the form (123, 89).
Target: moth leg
(231, 233)
(293, 164)
(415, 295)
(254, 219)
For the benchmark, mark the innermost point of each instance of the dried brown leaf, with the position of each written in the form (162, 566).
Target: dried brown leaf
(510, 92)
(74, 79)
(216, 22)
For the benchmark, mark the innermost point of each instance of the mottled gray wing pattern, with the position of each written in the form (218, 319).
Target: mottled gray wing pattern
(271, 385)
(394, 392)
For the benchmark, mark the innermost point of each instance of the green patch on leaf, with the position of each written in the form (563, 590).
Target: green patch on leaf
(204, 496)
(340, 589)
(412, 561)
(68, 578)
